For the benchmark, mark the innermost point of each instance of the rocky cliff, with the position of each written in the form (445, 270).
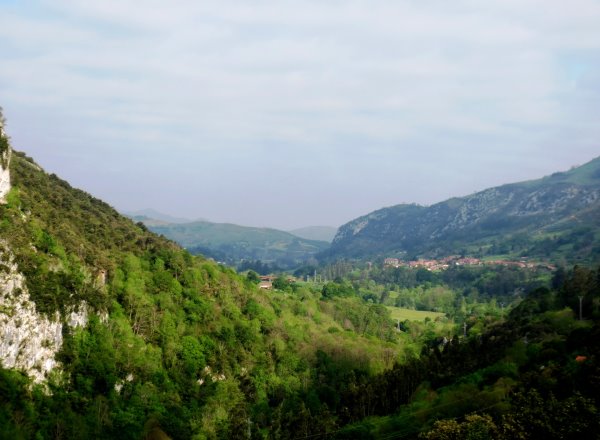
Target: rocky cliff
(29, 341)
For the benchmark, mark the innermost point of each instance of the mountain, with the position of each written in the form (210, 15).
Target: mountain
(320, 233)
(108, 330)
(232, 243)
(153, 214)
(556, 217)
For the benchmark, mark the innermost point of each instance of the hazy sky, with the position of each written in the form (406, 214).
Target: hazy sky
(292, 113)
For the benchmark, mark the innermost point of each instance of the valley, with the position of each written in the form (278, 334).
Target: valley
(401, 328)
(299, 220)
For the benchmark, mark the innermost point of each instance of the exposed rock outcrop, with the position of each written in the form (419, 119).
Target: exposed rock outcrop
(29, 341)
(4, 166)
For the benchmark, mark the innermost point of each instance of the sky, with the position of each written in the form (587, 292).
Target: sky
(287, 113)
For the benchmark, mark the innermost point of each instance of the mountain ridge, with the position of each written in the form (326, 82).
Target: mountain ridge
(558, 204)
(233, 243)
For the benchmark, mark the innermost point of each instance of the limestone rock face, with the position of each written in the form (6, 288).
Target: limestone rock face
(4, 175)
(29, 341)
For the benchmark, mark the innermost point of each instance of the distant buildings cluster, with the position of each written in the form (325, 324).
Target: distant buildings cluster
(455, 260)
(266, 281)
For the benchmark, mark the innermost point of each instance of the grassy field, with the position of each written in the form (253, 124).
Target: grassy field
(412, 315)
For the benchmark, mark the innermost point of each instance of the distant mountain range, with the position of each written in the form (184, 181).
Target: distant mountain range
(554, 218)
(234, 244)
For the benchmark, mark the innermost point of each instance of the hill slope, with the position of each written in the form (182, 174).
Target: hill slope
(554, 217)
(232, 243)
(110, 331)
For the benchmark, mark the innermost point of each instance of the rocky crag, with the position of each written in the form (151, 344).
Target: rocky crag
(29, 341)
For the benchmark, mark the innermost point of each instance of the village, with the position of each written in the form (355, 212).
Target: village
(456, 260)
(266, 281)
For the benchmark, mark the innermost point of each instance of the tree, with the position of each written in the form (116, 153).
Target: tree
(281, 283)
(192, 355)
(475, 427)
(535, 416)
(252, 277)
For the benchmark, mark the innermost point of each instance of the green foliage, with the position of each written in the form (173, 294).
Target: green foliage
(475, 427)
(281, 283)
(533, 376)
(332, 290)
(182, 347)
(192, 355)
(4, 144)
(252, 277)
(535, 416)
(185, 347)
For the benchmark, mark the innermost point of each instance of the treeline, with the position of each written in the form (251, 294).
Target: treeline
(503, 283)
(458, 303)
(487, 281)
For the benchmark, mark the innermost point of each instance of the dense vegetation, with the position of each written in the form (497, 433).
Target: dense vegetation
(534, 375)
(454, 291)
(180, 347)
(175, 344)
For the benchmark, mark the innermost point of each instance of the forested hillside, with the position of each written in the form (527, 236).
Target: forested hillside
(165, 343)
(555, 218)
(534, 375)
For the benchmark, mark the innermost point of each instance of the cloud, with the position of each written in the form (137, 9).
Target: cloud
(353, 83)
